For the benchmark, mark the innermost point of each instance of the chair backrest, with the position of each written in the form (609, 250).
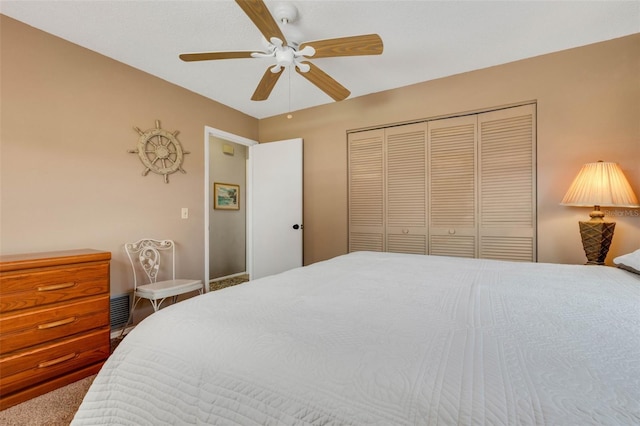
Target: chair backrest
(146, 253)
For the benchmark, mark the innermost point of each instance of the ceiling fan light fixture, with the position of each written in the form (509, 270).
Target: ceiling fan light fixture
(285, 56)
(307, 51)
(276, 42)
(302, 67)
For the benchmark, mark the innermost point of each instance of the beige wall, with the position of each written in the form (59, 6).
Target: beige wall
(588, 106)
(67, 117)
(67, 180)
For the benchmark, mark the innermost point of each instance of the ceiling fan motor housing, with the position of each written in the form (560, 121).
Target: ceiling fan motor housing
(284, 56)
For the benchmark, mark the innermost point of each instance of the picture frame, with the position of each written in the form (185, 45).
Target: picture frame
(226, 196)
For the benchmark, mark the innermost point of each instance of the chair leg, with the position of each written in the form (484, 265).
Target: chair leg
(155, 304)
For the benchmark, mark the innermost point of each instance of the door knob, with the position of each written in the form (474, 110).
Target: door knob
(296, 226)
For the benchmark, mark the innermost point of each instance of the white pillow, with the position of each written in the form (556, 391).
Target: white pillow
(630, 262)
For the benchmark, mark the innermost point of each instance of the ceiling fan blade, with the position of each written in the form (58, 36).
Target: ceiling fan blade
(369, 44)
(266, 85)
(209, 56)
(324, 82)
(257, 11)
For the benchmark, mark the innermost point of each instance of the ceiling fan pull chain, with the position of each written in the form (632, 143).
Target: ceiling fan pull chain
(289, 76)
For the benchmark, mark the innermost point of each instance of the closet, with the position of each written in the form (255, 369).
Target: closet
(458, 186)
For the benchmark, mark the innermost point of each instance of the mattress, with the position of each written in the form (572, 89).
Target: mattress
(386, 339)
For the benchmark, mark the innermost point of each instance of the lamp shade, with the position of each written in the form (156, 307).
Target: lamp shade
(600, 184)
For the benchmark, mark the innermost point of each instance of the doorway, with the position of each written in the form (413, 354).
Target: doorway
(226, 159)
(272, 217)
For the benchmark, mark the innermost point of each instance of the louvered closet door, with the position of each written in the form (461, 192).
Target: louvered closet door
(366, 191)
(406, 212)
(507, 184)
(452, 186)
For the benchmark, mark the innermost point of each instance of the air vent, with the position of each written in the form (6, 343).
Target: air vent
(119, 310)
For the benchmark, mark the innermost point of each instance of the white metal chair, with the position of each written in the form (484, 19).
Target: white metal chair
(146, 258)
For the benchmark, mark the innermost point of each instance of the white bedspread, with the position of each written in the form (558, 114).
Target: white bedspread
(386, 339)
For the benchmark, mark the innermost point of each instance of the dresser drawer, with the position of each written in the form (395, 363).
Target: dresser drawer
(19, 329)
(29, 288)
(29, 367)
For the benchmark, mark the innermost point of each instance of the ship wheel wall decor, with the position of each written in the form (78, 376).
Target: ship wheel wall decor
(160, 151)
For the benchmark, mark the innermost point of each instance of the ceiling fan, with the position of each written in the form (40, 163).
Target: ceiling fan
(289, 54)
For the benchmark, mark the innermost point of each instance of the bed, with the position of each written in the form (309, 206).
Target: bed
(386, 339)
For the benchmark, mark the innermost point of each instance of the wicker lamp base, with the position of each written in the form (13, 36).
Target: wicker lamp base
(596, 239)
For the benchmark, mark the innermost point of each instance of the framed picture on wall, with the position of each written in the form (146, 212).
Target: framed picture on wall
(226, 196)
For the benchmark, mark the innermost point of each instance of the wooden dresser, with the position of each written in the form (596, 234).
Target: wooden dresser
(54, 320)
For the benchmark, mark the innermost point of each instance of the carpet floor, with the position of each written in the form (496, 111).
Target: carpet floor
(55, 408)
(228, 282)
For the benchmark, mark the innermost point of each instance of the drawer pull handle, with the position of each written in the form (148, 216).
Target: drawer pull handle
(56, 323)
(56, 286)
(45, 364)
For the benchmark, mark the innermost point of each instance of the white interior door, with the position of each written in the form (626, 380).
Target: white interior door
(276, 207)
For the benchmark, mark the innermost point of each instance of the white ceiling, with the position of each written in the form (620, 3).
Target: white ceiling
(423, 40)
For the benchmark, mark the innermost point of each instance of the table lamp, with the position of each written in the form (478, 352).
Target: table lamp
(599, 184)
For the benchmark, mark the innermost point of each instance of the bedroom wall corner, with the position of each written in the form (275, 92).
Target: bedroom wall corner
(588, 104)
(67, 179)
